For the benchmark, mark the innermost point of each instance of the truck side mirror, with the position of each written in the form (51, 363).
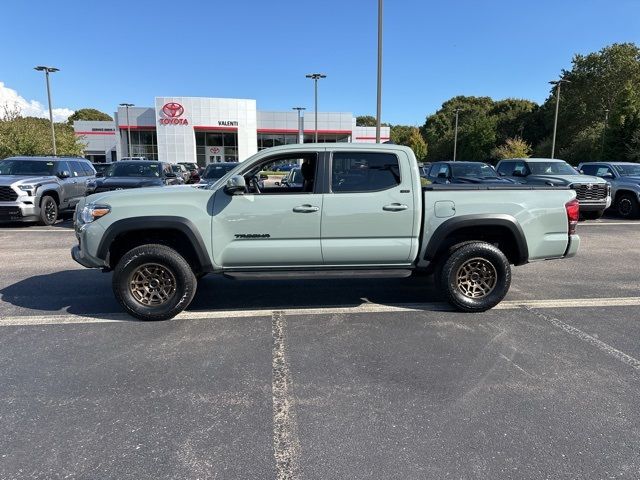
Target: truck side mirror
(608, 175)
(236, 185)
(64, 174)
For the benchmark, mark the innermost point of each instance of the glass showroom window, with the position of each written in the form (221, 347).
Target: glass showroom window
(144, 144)
(267, 140)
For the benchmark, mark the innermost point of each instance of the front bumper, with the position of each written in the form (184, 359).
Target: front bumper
(595, 206)
(84, 252)
(19, 211)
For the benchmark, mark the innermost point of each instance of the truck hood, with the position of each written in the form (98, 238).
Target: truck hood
(127, 182)
(634, 179)
(25, 179)
(150, 195)
(565, 179)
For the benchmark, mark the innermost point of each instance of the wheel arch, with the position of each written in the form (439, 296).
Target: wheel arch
(49, 193)
(501, 229)
(177, 232)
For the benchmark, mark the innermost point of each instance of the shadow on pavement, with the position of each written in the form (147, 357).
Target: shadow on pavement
(88, 293)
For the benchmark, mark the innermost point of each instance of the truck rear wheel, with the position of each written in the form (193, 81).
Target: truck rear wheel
(476, 277)
(153, 282)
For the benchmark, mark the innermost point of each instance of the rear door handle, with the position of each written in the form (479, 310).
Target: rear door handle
(305, 209)
(395, 207)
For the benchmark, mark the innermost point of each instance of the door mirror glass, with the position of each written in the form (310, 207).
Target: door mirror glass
(236, 185)
(264, 176)
(64, 174)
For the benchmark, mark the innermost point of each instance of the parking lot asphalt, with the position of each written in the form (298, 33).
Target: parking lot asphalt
(353, 378)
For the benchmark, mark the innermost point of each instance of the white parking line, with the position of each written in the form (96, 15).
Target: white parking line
(36, 230)
(591, 224)
(23, 320)
(585, 337)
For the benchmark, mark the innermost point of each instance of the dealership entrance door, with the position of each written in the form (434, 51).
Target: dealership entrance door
(215, 154)
(216, 146)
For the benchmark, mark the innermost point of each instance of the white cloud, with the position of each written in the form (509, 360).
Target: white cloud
(29, 108)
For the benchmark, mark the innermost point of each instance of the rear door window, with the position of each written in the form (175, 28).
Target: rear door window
(76, 169)
(364, 172)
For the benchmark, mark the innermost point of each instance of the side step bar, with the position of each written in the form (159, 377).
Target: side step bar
(318, 274)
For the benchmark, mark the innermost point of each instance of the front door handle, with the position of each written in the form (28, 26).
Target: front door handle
(395, 207)
(306, 209)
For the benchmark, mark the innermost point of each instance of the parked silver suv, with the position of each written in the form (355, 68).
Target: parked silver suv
(37, 189)
(624, 178)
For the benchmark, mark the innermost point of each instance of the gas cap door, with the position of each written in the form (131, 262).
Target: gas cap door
(444, 209)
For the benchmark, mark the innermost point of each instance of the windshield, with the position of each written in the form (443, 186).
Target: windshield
(215, 171)
(626, 170)
(27, 167)
(551, 168)
(481, 170)
(135, 170)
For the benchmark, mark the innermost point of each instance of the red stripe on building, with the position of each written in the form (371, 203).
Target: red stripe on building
(282, 130)
(133, 127)
(371, 138)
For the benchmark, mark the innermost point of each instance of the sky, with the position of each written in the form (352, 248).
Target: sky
(124, 51)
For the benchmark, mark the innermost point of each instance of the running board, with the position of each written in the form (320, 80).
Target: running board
(318, 274)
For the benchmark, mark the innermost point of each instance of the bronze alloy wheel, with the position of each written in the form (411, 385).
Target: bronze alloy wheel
(50, 211)
(476, 278)
(152, 284)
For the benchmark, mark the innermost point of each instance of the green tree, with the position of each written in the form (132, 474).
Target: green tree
(32, 136)
(366, 121)
(417, 144)
(605, 80)
(88, 114)
(512, 148)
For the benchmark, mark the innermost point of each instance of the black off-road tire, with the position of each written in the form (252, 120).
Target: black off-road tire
(485, 286)
(48, 211)
(627, 206)
(595, 215)
(168, 268)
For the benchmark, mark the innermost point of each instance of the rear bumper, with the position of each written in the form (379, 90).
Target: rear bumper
(572, 248)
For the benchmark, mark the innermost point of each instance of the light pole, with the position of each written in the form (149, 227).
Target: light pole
(315, 77)
(557, 83)
(455, 136)
(126, 106)
(604, 130)
(47, 71)
(379, 97)
(300, 129)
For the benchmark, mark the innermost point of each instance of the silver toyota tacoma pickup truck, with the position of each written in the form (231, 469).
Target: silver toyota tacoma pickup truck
(359, 207)
(37, 189)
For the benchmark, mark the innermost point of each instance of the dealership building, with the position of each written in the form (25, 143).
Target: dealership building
(206, 130)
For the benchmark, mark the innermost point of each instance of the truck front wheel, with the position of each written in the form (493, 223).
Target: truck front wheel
(476, 277)
(153, 282)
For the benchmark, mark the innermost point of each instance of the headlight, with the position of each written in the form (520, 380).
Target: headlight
(30, 189)
(93, 212)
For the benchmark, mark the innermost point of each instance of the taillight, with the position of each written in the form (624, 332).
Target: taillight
(573, 214)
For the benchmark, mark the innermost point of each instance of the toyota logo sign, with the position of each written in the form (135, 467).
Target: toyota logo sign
(172, 109)
(172, 112)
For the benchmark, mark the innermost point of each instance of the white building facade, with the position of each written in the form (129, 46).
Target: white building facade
(205, 130)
